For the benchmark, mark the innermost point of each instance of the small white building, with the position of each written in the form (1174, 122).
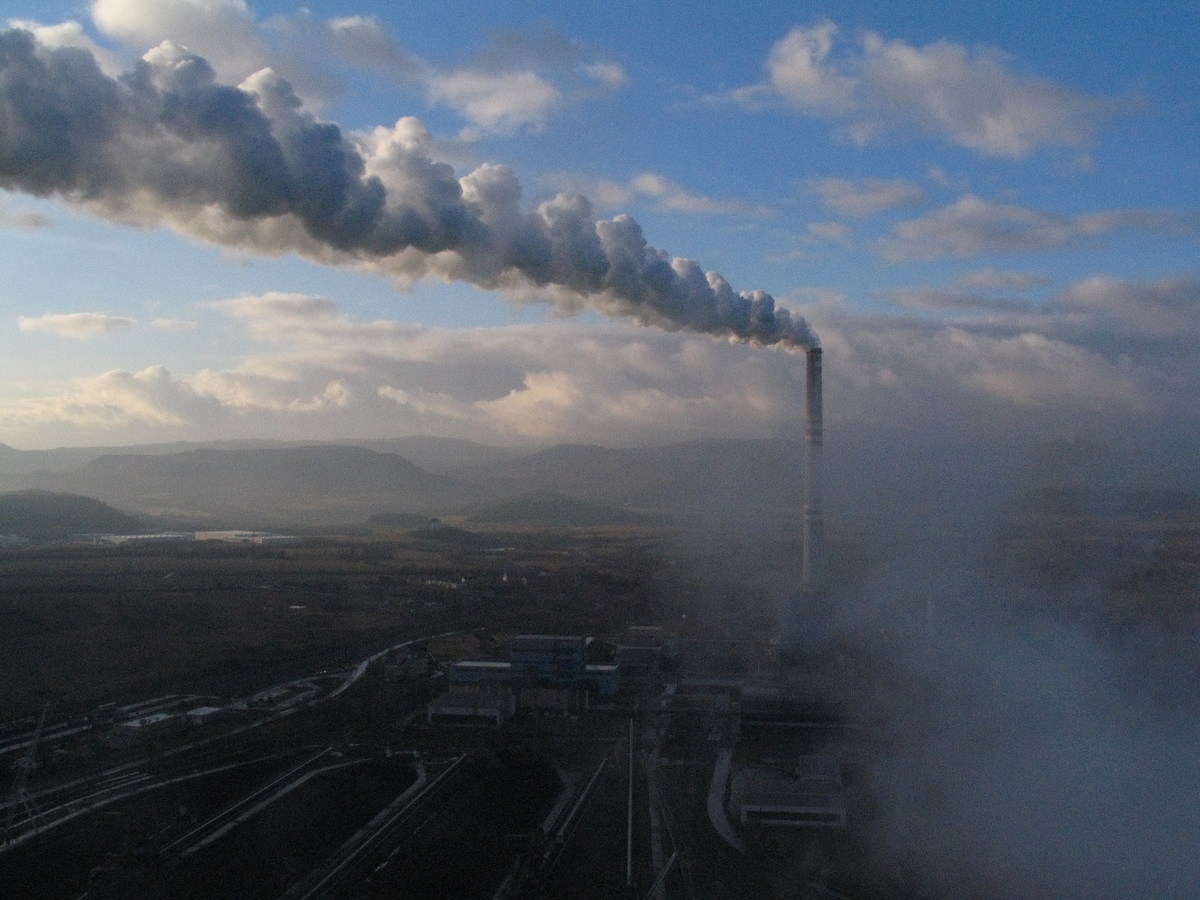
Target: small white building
(161, 537)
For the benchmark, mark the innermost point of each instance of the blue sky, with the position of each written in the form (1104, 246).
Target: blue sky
(987, 213)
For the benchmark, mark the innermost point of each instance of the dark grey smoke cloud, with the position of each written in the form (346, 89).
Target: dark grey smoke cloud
(166, 142)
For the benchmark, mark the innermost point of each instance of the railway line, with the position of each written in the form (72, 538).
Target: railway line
(372, 847)
(229, 817)
(48, 807)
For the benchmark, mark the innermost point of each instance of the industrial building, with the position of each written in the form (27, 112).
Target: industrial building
(811, 796)
(540, 660)
(489, 705)
(557, 659)
(134, 731)
(479, 671)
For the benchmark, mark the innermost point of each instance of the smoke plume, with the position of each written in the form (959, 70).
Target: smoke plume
(248, 167)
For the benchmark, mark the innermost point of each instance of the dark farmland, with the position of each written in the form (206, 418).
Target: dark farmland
(86, 625)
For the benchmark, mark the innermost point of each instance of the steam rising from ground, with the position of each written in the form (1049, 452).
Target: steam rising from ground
(249, 167)
(1034, 758)
(1036, 677)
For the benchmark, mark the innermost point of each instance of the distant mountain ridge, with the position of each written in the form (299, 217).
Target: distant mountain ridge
(323, 484)
(47, 516)
(434, 454)
(316, 484)
(441, 456)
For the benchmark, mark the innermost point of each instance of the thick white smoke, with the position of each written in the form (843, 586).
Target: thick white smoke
(248, 167)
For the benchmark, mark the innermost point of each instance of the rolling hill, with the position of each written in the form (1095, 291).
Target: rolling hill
(319, 484)
(333, 484)
(704, 478)
(46, 516)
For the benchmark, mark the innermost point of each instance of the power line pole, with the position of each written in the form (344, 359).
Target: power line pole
(25, 765)
(629, 824)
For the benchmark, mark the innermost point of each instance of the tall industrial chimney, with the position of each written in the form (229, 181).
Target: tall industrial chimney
(814, 522)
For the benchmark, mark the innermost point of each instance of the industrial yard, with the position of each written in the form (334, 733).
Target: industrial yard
(526, 715)
(308, 720)
(437, 712)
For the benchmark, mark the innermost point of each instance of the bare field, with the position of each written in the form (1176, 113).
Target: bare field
(85, 625)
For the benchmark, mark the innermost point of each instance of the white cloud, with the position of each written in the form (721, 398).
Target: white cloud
(604, 193)
(335, 396)
(326, 373)
(606, 73)
(173, 325)
(279, 317)
(255, 394)
(71, 34)
(517, 84)
(965, 294)
(894, 371)
(799, 71)
(1031, 369)
(1167, 309)
(954, 299)
(563, 381)
(975, 227)
(651, 189)
(501, 102)
(113, 400)
(861, 199)
(837, 232)
(672, 197)
(432, 408)
(79, 326)
(1145, 332)
(223, 31)
(973, 97)
(276, 306)
(990, 279)
(521, 79)
(366, 42)
(23, 219)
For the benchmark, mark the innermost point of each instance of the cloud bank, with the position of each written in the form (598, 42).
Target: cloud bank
(975, 227)
(23, 219)
(866, 198)
(653, 189)
(80, 326)
(1094, 358)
